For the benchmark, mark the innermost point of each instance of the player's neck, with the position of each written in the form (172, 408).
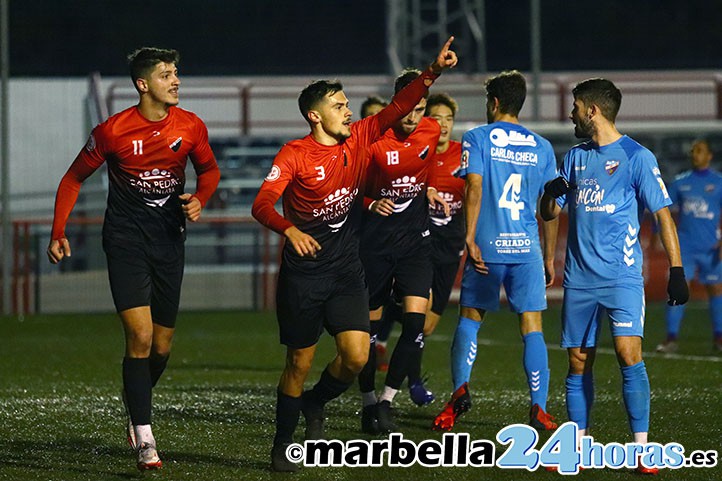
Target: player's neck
(153, 111)
(605, 133)
(501, 117)
(320, 136)
(441, 148)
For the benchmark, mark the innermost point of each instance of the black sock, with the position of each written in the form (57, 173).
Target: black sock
(407, 353)
(287, 410)
(414, 373)
(327, 388)
(138, 389)
(157, 366)
(367, 376)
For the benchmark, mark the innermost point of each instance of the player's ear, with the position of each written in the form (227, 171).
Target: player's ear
(314, 116)
(141, 85)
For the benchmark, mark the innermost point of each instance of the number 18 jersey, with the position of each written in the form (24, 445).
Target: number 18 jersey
(514, 163)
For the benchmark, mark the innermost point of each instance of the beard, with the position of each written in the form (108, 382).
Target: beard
(583, 128)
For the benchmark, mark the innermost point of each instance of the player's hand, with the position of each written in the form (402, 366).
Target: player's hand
(446, 58)
(677, 287)
(558, 187)
(383, 206)
(57, 249)
(191, 207)
(303, 244)
(474, 254)
(549, 272)
(433, 197)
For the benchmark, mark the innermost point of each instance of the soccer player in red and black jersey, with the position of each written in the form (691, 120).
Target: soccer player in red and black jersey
(321, 283)
(146, 148)
(447, 231)
(395, 247)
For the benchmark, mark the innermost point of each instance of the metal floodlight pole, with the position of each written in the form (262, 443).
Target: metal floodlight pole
(5, 156)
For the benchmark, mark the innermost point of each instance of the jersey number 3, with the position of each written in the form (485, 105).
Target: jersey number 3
(510, 197)
(321, 173)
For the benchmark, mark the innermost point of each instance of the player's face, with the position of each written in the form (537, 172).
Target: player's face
(701, 155)
(163, 84)
(336, 116)
(372, 109)
(445, 117)
(490, 109)
(409, 123)
(583, 125)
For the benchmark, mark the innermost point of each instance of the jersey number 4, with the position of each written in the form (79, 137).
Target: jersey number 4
(510, 197)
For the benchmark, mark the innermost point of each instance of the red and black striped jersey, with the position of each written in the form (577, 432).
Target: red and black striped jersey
(401, 169)
(146, 169)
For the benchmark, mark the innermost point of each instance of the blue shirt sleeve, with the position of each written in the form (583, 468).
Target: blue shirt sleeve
(472, 161)
(648, 181)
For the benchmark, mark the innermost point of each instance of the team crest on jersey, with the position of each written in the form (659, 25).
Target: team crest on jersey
(175, 144)
(709, 188)
(90, 144)
(611, 166)
(274, 174)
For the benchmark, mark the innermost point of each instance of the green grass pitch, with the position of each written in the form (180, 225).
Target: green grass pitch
(61, 416)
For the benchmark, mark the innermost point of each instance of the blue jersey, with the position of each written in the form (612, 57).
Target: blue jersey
(514, 163)
(614, 185)
(698, 196)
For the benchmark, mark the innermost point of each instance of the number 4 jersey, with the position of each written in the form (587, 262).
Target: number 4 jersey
(514, 163)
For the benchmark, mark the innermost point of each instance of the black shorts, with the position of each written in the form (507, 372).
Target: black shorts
(444, 277)
(410, 274)
(305, 305)
(146, 275)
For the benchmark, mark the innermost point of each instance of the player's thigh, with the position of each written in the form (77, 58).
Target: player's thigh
(709, 268)
(129, 273)
(481, 291)
(300, 308)
(581, 313)
(347, 306)
(441, 285)
(625, 307)
(167, 262)
(525, 287)
(413, 275)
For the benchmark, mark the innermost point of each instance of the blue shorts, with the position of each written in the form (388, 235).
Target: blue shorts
(583, 309)
(705, 264)
(524, 285)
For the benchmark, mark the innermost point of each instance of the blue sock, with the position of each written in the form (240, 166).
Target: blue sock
(536, 366)
(463, 350)
(635, 389)
(674, 315)
(580, 397)
(715, 307)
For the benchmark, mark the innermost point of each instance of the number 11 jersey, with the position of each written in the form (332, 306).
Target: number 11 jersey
(514, 163)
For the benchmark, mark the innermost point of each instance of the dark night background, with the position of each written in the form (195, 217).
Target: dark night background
(253, 37)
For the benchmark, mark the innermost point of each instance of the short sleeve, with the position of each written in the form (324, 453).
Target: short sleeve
(472, 161)
(648, 181)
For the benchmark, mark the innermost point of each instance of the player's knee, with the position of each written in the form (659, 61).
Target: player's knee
(138, 343)
(355, 362)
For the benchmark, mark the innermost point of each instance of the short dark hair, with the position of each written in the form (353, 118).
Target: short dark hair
(371, 100)
(142, 62)
(314, 92)
(510, 88)
(407, 76)
(600, 92)
(442, 99)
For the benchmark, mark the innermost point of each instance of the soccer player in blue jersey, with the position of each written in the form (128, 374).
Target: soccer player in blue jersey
(606, 183)
(697, 194)
(509, 165)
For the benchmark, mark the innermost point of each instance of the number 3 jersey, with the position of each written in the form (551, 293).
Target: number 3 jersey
(514, 163)
(615, 183)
